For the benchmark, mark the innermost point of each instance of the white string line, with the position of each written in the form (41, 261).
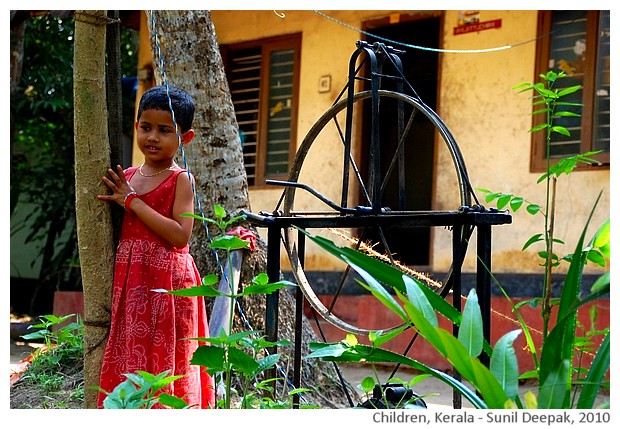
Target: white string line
(449, 51)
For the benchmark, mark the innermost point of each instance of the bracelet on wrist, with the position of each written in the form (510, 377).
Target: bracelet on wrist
(130, 196)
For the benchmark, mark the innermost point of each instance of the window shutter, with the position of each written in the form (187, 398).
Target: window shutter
(244, 82)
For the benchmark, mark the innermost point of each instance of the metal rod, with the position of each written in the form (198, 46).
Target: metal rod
(272, 300)
(457, 251)
(299, 308)
(483, 283)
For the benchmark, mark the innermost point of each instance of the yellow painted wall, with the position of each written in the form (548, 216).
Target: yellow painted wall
(488, 119)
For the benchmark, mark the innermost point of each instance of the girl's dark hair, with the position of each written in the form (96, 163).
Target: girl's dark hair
(156, 98)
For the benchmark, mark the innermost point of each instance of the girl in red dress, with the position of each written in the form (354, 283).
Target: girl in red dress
(149, 330)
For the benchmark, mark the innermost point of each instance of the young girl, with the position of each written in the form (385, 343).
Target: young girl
(149, 330)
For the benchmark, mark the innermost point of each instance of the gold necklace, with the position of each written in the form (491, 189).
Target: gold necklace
(155, 174)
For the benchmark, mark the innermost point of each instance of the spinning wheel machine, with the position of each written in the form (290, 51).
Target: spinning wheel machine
(398, 116)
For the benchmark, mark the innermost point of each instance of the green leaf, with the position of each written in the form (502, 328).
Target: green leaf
(503, 200)
(200, 218)
(490, 197)
(524, 86)
(568, 103)
(595, 376)
(533, 239)
(264, 364)
(241, 361)
(322, 350)
(601, 282)
(473, 370)
(470, 332)
(367, 384)
(553, 392)
(377, 290)
(351, 340)
(219, 211)
(516, 203)
(261, 279)
(419, 300)
(565, 113)
(602, 239)
(212, 357)
(425, 327)
(228, 243)
(504, 365)
(193, 291)
(532, 208)
(538, 128)
(386, 274)
(42, 333)
(572, 281)
(594, 255)
(266, 289)
(569, 90)
(124, 396)
(539, 111)
(560, 130)
(363, 353)
(172, 401)
(557, 347)
(160, 381)
(210, 280)
(238, 336)
(379, 338)
(261, 343)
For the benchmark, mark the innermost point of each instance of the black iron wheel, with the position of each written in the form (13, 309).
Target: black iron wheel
(355, 193)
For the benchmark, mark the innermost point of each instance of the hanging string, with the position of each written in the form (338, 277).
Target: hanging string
(423, 48)
(178, 131)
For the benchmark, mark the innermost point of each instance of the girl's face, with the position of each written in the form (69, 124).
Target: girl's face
(157, 137)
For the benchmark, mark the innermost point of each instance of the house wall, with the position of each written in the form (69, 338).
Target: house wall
(488, 119)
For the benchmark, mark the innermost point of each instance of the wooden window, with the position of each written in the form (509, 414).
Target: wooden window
(263, 77)
(576, 42)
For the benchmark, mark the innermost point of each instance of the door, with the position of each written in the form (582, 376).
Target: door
(409, 246)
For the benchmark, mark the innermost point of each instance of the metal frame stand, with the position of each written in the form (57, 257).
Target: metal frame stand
(462, 221)
(458, 220)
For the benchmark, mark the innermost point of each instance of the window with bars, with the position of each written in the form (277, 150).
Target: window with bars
(263, 77)
(576, 42)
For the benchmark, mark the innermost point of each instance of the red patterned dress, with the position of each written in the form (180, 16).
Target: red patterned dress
(148, 329)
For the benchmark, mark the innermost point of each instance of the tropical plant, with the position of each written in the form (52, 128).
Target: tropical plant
(141, 390)
(495, 386)
(554, 108)
(242, 354)
(61, 355)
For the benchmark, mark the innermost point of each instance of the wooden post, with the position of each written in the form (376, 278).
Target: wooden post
(92, 158)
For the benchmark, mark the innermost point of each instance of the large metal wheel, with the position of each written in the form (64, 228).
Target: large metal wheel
(404, 120)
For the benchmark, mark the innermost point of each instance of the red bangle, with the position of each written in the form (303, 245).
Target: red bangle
(130, 196)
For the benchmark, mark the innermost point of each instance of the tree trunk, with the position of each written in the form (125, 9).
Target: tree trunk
(184, 44)
(191, 61)
(92, 158)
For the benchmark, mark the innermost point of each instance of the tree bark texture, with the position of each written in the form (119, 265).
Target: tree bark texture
(92, 158)
(184, 45)
(191, 60)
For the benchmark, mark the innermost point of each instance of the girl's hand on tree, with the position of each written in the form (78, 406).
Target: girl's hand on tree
(119, 185)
